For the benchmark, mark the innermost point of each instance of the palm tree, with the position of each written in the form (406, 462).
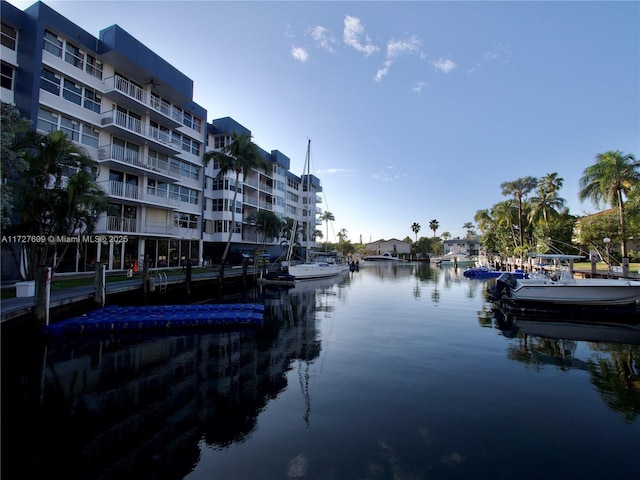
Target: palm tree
(239, 156)
(327, 217)
(546, 203)
(342, 234)
(57, 195)
(434, 225)
(415, 228)
(609, 181)
(519, 189)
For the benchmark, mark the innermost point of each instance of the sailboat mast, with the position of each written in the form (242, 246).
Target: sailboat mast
(308, 162)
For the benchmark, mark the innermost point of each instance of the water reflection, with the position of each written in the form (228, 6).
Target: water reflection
(607, 350)
(139, 406)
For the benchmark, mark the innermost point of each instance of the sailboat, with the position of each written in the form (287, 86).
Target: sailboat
(313, 269)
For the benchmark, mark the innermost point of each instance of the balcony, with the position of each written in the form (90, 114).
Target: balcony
(133, 129)
(134, 162)
(137, 194)
(129, 95)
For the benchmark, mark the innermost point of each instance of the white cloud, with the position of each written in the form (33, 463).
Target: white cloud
(355, 36)
(418, 87)
(337, 171)
(323, 37)
(444, 65)
(396, 48)
(300, 54)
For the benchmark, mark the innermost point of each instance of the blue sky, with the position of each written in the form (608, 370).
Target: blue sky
(415, 110)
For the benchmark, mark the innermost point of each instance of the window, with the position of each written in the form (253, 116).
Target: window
(52, 43)
(90, 135)
(92, 100)
(47, 121)
(6, 77)
(9, 36)
(93, 67)
(186, 220)
(50, 81)
(74, 56)
(184, 194)
(72, 92)
(71, 128)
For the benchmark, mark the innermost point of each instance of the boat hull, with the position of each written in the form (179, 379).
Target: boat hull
(307, 271)
(582, 292)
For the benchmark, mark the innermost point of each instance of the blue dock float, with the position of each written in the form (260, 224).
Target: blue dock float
(160, 317)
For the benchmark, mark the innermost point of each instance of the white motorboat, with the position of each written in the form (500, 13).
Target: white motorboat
(454, 259)
(384, 257)
(563, 289)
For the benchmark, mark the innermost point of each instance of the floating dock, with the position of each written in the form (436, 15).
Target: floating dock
(160, 317)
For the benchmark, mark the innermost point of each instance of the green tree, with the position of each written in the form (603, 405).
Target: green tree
(609, 181)
(327, 217)
(13, 164)
(56, 196)
(415, 228)
(519, 189)
(238, 157)
(267, 224)
(546, 203)
(468, 226)
(434, 225)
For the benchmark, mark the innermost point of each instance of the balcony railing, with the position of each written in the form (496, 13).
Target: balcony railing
(120, 224)
(136, 159)
(125, 87)
(135, 125)
(134, 192)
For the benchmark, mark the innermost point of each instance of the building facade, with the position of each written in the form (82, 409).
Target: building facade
(135, 115)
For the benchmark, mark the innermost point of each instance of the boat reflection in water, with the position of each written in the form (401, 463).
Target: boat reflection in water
(138, 405)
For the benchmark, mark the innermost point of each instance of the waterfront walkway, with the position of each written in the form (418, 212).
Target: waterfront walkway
(11, 308)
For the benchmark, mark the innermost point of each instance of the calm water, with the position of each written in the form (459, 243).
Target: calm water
(392, 372)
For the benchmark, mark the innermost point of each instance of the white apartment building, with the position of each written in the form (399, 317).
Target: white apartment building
(135, 115)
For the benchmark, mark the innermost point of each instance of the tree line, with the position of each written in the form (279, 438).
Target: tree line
(534, 216)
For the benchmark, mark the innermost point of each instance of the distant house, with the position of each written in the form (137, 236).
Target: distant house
(394, 246)
(464, 246)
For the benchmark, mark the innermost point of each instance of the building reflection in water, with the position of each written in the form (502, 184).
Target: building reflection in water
(137, 406)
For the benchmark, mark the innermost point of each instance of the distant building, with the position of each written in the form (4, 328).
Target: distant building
(394, 246)
(464, 246)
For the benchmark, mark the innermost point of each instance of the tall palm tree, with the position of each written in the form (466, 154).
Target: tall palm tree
(239, 157)
(434, 225)
(415, 228)
(342, 234)
(57, 195)
(327, 217)
(547, 203)
(609, 181)
(519, 189)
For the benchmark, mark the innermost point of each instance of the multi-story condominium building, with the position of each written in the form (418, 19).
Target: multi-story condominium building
(135, 115)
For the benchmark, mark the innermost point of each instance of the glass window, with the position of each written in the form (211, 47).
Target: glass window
(90, 135)
(92, 100)
(50, 81)
(6, 77)
(9, 36)
(52, 43)
(74, 56)
(72, 92)
(93, 67)
(47, 121)
(71, 128)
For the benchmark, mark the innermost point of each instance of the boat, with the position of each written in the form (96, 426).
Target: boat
(312, 269)
(454, 259)
(488, 272)
(562, 289)
(384, 257)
